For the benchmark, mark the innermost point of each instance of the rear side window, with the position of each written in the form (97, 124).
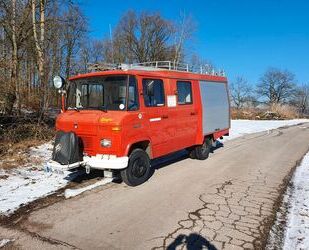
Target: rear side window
(184, 90)
(153, 91)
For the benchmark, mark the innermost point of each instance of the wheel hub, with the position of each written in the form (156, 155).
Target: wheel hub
(139, 168)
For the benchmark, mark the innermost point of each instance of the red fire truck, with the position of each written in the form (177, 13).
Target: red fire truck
(118, 118)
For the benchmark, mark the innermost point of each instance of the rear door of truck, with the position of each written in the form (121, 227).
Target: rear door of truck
(215, 106)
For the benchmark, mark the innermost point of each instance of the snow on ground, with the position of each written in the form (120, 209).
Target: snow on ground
(4, 242)
(291, 227)
(28, 183)
(297, 230)
(68, 193)
(242, 127)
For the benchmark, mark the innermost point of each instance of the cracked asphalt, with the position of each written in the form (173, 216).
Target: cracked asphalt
(225, 202)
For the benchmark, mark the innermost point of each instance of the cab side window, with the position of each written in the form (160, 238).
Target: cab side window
(184, 90)
(153, 91)
(133, 103)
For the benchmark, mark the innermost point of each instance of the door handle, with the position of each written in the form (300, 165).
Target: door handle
(193, 113)
(164, 116)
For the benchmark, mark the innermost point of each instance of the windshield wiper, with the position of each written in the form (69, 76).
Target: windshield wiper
(103, 108)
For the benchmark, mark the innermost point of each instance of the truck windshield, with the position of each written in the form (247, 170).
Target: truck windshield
(103, 93)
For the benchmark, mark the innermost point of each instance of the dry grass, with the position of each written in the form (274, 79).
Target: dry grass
(247, 113)
(275, 112)
(285, 111)
(18, 154)
(17, 139)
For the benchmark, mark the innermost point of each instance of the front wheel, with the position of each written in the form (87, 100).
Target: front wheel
(201, 152)
(138, 170)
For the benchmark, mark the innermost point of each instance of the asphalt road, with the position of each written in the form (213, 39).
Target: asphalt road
(226, 202)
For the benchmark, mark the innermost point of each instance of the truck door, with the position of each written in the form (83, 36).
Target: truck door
(156, 114)
(186, 120)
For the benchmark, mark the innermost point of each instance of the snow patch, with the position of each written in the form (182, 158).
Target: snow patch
(43, 151)
(291, 228)
(26, 185)
(29, 183)
(69, 193)
(4, 242)
(297, 230)
(243, 127)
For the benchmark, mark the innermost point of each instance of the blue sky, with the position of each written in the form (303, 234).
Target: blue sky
(245, 37)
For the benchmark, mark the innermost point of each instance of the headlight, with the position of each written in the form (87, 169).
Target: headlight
(58, 82)
(106, 143)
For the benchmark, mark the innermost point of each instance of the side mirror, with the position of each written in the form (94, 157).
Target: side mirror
(58, 82)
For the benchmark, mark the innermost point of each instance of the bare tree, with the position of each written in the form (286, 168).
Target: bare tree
(140, 38)
(301, 99)
(276, 86)
(199, 64)
(38, 39)
(74, 30)
(241, 92)
(14, 20)
(184, 30)
(38, 26)
(14, 70)
(91, 52)
(84, 58)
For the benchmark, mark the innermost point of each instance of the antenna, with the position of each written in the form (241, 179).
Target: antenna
(111, 37)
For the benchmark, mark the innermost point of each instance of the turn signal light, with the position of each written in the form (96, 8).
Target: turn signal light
(105, 120)
(116, 128)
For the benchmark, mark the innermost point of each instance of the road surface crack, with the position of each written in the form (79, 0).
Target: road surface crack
(232, 215)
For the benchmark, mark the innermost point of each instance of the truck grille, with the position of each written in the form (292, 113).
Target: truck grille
(87, 142)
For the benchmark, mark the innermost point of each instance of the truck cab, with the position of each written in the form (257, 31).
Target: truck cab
(120, 119)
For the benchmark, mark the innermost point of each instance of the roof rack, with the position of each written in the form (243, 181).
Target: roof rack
(102, 66)
(157, 65)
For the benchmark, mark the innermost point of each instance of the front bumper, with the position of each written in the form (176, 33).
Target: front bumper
(106, 162)
(97, 162)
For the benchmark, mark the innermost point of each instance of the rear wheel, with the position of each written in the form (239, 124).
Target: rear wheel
(201, 152)
(191, 152)
(138, 170)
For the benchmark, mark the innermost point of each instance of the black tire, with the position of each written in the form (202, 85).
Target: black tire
(138, 170)
(201, 152)
(191, 152)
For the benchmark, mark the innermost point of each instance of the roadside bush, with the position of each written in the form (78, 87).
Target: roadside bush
(246, 113)
(284, 111)
(275, 112)
(18, 134)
